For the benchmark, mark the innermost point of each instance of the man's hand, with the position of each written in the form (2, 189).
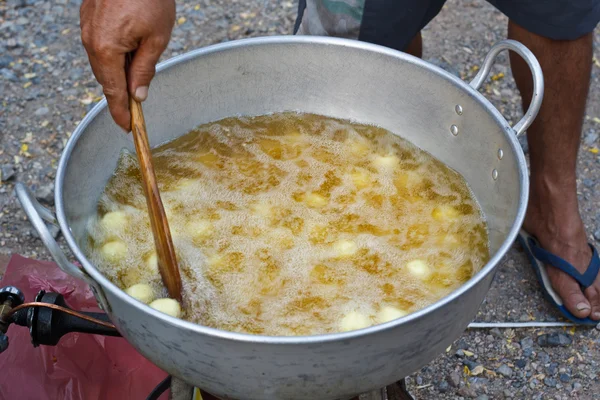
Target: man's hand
(112, 28)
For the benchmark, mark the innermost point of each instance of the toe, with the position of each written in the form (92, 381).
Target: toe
(593, 295)
(570, 292)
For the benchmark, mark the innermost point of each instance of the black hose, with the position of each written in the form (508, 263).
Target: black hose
(160, 389)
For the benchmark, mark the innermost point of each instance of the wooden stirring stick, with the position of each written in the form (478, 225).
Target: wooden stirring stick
(167, 261)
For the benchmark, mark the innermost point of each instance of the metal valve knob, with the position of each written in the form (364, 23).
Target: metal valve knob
(12, 294)
(10, 297)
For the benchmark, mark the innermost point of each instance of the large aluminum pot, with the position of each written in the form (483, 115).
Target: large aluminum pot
(339, 78)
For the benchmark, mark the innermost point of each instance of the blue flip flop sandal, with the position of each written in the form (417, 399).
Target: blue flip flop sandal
(538, 257)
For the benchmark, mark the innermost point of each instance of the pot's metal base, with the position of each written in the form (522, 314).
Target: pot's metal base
(396, 391)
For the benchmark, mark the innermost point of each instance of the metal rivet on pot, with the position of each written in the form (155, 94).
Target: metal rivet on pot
(454, 130)
(500, 154)
(495, 174)
(458, 109)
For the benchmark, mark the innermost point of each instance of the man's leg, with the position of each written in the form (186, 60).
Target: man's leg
(392, 23)
(553, 213)
(415, 47)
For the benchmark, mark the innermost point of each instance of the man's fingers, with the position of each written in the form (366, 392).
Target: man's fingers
(118, 106)
(112, 28)
(142, 68)
(109, 69)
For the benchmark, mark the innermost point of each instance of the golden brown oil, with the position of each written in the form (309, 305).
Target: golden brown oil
(293, 224)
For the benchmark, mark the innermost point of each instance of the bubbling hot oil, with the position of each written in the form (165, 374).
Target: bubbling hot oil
(295, 224)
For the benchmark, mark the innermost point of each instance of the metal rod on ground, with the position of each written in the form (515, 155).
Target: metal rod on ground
(484, 325)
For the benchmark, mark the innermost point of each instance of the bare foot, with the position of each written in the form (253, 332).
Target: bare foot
(566, 239)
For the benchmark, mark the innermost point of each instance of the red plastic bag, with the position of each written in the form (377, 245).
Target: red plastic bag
(80, 366)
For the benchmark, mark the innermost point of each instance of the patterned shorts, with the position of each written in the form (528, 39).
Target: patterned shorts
(393, 23)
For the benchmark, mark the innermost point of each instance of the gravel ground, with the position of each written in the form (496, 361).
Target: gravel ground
(47, 87)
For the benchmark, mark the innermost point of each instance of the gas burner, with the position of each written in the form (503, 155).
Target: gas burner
(49, 318)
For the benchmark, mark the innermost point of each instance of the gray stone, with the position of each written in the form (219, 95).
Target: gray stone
(42, 111)
(507, 394)
(12, 43)
(550, 382)
(527, 343)
(533, 383)
(8, 75)
(497, 332)
(588, 183)
(7, 172)
(534, 365)
(577, 386)
(32, 94)
(462, 344)
(521, 363)
(524, 318)
(554, 340)
(597, 235)
(53, 229)
(45, 194)
(454, 379)
(517, 384)
(565, 378)
(590, 138)
(18, 67)
(483, 397)
(443, 386)
(552, 369)
(467, 392)
(6, 25)
(176, 46)
(16, 3)
(592, 375)
(459, 353)
(544, 358)
(478, 381)
(5, 61)
(76, 74)
(470, 364)
(505, 370)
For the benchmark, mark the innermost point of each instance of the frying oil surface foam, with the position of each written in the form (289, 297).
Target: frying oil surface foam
(295, 224)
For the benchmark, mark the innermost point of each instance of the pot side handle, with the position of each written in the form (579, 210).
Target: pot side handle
(536, 71)
(37, 214)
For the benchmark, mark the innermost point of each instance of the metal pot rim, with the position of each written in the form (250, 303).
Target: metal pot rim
(97, 276)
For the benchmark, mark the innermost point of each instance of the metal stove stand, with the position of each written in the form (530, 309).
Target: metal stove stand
(396, 391)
